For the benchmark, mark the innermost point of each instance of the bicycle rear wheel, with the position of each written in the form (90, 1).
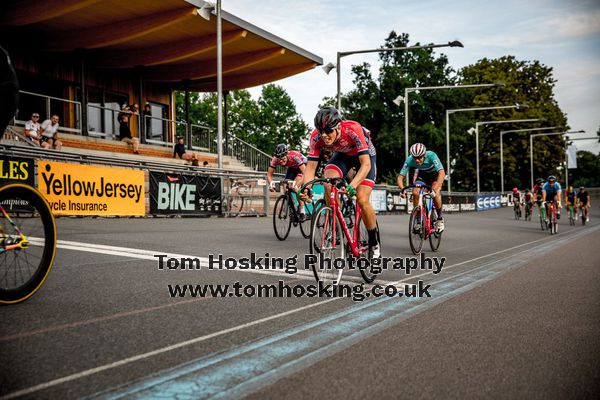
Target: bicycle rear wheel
(416, 230)
(328, 243)
(362, 242)
(235, 205)
(281, 218)
(435, 239)
(27, 244)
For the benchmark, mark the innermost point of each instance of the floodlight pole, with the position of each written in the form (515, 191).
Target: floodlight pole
(543, 134)
(502, 133)
(448, 112)
(341, 54)
(219, 87)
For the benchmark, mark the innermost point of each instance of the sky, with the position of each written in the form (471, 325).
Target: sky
(562, 34)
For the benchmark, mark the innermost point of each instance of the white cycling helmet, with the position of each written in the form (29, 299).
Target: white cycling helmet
(418, 150)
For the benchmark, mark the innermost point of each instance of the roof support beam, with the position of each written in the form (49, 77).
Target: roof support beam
(208, 69)
(34, 11)
(119, 32)
(165, 53)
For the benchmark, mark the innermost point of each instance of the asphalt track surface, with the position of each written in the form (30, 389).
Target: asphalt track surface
(514, 313)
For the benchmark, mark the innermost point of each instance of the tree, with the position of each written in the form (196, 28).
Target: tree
(371, 102)
(263, 123)
(587, 172)
(527, 82)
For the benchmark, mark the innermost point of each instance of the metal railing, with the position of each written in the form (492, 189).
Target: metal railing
(249, 155)
(163, 131)
(204, 138)
(49, 104)
(106, 125)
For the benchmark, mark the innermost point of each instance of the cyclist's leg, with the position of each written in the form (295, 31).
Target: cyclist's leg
(363, 198)
(336, 168)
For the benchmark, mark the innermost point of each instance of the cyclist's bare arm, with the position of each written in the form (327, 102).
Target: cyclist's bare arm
(309, 174)
(437, 185)
(270, 172)
(363, 171)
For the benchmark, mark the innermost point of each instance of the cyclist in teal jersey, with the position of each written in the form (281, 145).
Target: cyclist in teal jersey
(424, 166)
(551, 192)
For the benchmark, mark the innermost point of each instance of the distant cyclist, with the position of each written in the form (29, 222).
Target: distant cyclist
(551, 192)
(352, 147)
(583, 201)
(425, 167)
(571, 199)
(516, 199)
(528, 200)
(295, 163)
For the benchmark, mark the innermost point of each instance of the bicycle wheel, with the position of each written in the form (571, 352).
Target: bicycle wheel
(281, 218)
(27, 242)
(322, 243)
(362, 242)
(583, 217)
(415, 230)
(306, 223)
(542, 221)
(435, 239)
(517, 216)
(235, 205)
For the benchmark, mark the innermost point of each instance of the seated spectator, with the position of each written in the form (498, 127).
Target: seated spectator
(32, 128)
(125, 134)
(179, 149)
(49, 137)
(195, 161)
(205, 164)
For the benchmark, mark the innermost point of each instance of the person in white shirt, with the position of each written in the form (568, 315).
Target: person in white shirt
(32, 128)
(49, 130)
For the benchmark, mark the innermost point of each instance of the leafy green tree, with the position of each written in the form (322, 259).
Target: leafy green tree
(587, 172)
(371, 102)
(263, 123)
(527, 82)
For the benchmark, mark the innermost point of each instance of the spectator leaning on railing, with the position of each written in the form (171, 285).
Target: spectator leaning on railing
(33, 128)
(49, 137)
(125, 133)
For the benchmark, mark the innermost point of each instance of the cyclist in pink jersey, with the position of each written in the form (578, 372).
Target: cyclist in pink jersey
(352, 147)
(295, 163)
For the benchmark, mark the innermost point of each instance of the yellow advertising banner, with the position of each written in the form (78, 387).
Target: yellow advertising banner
(75, 189)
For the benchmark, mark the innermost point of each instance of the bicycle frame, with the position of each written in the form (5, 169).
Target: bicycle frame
(337, 210)
(21, 244)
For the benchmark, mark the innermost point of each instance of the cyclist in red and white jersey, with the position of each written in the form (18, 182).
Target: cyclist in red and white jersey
(295, 163)
(352, 147)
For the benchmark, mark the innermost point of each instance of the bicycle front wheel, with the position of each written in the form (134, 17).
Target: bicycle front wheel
(27, 242)
(362, 242)
(281, 218)
(327, 242)
(416, 230)
(435, 239)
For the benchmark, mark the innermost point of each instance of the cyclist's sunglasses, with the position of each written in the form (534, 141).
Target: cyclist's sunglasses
(419, 158)
(327, 130)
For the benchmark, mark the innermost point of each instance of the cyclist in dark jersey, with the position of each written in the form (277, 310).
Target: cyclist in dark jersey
(9, 91)
(583, 201)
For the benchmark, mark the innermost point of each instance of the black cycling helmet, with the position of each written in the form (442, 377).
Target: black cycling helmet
(327, 119)
(527, 190)
(539, 180)
(281, 150)
(551, 178)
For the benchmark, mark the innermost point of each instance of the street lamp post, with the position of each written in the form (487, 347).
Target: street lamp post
(478, 124)
(327, 68)
(502, 133)
(205, 11)
(448, 112)
(543, 134)
(409, 90)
